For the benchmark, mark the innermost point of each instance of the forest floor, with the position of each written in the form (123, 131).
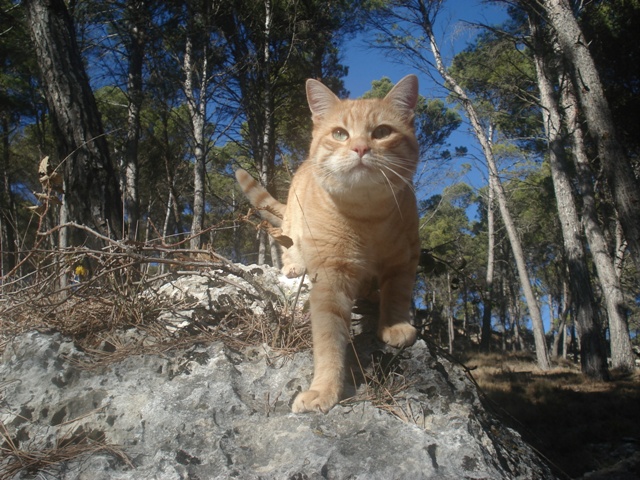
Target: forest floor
(578, 425)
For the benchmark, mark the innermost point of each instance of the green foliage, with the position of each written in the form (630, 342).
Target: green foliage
(498, 73)
(611, 28)
(446, 221)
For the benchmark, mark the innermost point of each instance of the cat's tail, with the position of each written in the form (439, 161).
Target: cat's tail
(269, 208)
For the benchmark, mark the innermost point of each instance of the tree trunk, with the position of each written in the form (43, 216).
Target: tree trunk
(514, 239)
(8, 216)
(450, 325)
(267, 150)
(135, 45)
(615, 163)
(197, 112)
(485, 342)
(593, 356)
(92, 192)
(621, 353)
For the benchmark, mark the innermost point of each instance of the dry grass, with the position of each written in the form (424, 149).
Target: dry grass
(578, 424)
(42, 455)
(117, 311)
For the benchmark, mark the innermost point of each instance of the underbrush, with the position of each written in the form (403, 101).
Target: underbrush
(579, 425)
(116, 306)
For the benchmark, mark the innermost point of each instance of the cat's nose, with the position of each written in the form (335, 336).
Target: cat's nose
(360, 148)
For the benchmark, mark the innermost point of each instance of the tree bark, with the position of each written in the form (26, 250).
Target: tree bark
(259, 85)
(8, 214)
(615, 163)
(92, 193)
(621, 353)
(197, 112)
(514, 239)
(593, 356)
(485, 342)
(135, 11)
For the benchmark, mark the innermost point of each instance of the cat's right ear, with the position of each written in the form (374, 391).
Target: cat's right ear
(320, 98)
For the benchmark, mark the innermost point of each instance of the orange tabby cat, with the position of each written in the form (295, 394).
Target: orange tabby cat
(352, 216)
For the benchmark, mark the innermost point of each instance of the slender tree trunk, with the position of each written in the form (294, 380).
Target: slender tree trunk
(615, 163)
(450, 325)
(197, 112)
(8, 217)
(514, 239)
(564, 315)
(63, 244)
(555, 349)
(510, 293)
(267, 150)
(170, 175)
(593, 356)
(485, 343)
(167, 216)
(135, 44)
(92, 191)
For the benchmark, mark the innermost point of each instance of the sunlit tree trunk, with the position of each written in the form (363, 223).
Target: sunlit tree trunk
(450, 325)
(197, 105)
(593, 356)
(485, 342)
(267, 150)
(135, 14)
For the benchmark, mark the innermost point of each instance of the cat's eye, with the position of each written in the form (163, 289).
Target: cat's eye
(340, 134)
(381, 132)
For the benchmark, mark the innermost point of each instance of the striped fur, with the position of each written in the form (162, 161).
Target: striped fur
(269, 208)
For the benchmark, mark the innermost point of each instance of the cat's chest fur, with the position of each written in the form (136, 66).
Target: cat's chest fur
(364, 230)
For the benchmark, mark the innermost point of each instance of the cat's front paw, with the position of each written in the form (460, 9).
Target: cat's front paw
(398, 335)
(292, 270)
(314, 401)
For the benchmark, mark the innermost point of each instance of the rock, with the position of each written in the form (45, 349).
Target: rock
(209, 412)
(220, 292)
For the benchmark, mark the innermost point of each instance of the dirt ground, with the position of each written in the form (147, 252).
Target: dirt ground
(579, 425)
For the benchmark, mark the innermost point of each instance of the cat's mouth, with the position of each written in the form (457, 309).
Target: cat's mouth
(362, 168)
(364, 173)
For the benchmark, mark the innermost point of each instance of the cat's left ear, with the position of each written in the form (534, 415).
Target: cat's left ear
(320, 97)
(404, 95)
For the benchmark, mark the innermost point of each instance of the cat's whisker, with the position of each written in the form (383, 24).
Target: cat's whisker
(402, 178)
(393, 192)
(401, 162)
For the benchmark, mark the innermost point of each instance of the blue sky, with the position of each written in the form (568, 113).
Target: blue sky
(454, 34)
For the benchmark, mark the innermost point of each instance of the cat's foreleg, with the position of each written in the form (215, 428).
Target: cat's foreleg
(396, 290)
(330, 321)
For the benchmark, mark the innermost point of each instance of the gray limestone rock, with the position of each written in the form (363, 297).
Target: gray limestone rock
(207, 411)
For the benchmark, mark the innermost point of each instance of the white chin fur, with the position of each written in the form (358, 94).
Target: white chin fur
(352, 175)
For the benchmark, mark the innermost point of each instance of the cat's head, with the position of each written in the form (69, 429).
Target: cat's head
(364, 144)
